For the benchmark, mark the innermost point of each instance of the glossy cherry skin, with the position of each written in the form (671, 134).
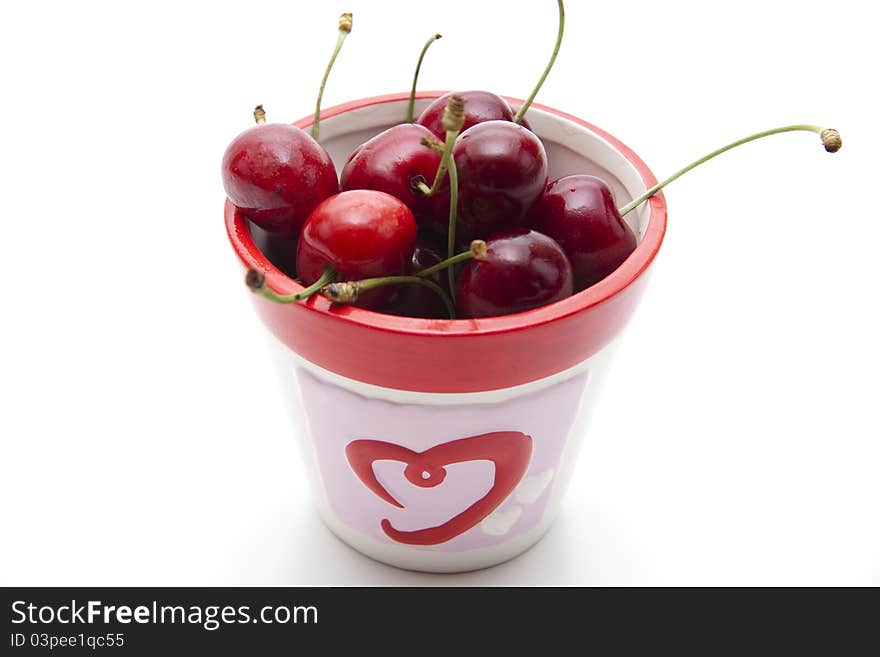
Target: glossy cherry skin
(523, 269)
(579, 212)
(276, 174)
(479, 106)
(390, 162)
(502, 169)
(418, 300)
(360, 234)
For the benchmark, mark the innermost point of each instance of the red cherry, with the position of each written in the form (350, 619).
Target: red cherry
(523, 269)
(502, 169)
(390, 162)
(276, 174)
(418, 300)
(579, 212)
(360, 234)
(479, 106)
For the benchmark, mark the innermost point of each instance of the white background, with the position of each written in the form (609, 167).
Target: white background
(144, 439)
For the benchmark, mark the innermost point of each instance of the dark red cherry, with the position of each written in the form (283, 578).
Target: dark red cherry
(360, 234)
(579, 212)
(479, 106)
(279, 248)
(390, 162)
(418, 300)
(502, 169)
(523, 269)
(276, 174)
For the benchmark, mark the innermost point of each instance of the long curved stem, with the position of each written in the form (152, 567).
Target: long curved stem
(410, 110)
(830, 139)
(477, 250)
(525, 107)
(453, 212)
(344, 29)
(449, 262)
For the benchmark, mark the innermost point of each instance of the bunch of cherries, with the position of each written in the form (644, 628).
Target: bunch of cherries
(450, 215)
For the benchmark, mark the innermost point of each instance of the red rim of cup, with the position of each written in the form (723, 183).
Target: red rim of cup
(610, 287)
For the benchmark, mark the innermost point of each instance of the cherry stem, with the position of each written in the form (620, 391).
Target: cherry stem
(434, 144)
(344, 29)
(257, 283)
(445, 159)
(525, 107)
(348, 291)
(453, 122)
(830, 139)
(477, 251)
(453, 210)
(259, 114)
(422, 186)
(410, 110)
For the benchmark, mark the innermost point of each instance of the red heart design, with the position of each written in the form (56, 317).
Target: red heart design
(509, 451)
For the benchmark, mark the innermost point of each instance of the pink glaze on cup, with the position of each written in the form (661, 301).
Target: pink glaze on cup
(545, 416)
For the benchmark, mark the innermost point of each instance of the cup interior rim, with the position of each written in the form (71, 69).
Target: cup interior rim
(638, 261)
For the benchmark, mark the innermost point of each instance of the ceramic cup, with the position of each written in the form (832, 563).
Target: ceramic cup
(446, 445)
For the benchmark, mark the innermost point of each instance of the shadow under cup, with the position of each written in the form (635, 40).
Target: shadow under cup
(446, 445)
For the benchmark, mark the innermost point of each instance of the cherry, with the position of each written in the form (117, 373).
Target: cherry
(480, 106)
(580, 214)
(502, 169)
(357, 234)
(523, 269)
(279, 248)
(418, 300)
(394, 161)
(276, 174)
